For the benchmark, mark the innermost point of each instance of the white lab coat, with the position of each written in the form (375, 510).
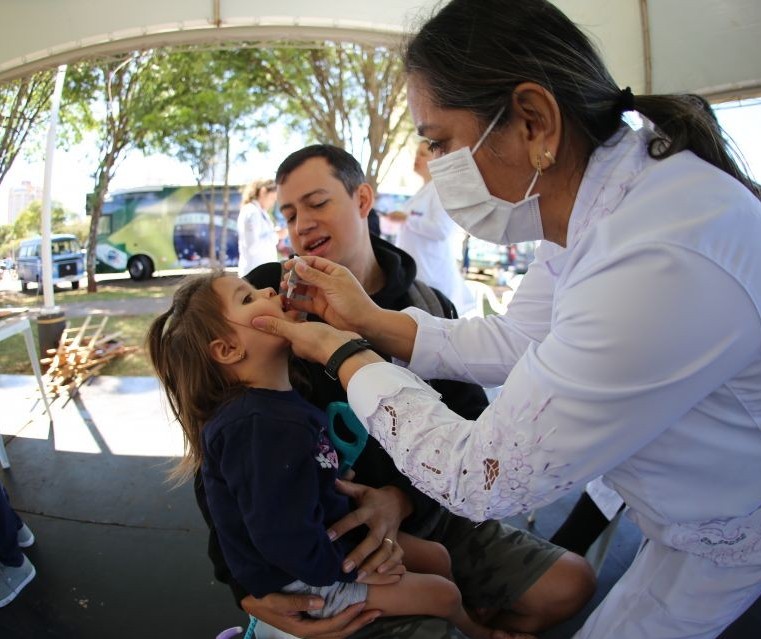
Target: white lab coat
(257, 238)
(431, 237)
(634, 353)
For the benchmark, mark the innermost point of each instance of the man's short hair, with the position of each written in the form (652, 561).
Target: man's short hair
(344, 167)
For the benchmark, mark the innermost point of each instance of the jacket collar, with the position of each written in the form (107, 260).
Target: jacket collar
(608, 178)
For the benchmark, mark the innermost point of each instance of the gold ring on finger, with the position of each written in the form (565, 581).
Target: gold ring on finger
(389, 540)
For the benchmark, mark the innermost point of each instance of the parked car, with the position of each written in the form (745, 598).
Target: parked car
(67, 255)
(520, 256)
(515, 258)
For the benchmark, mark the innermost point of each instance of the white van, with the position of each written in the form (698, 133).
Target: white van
(68, 261)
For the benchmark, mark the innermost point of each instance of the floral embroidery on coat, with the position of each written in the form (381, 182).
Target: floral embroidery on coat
(497, 469)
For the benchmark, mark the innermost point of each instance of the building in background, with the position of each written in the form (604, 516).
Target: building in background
(19, 198)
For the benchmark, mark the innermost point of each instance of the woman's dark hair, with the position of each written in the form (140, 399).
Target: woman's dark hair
(473, 53)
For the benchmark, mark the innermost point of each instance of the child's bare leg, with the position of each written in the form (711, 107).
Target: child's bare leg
(423, 556)
(430, 595)
(428, 560)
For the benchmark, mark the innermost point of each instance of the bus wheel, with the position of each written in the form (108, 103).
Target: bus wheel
(140, 267)
(24, 285)
(75, 285)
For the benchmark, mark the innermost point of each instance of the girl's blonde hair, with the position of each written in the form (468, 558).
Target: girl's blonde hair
(195, 384)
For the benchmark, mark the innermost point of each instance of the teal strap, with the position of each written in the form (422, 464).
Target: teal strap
(251, 626)
(348, 450)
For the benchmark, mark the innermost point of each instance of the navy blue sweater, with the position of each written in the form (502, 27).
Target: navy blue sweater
(269, 472)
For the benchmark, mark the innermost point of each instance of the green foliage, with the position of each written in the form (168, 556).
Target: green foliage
(24, 103)
(201, 103)
(110, 99)
(28, 223)
(29, 220)
(335, 92)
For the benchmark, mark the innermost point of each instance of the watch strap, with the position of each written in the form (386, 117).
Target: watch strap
(343, 353)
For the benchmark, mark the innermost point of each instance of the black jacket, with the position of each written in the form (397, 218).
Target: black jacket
(374, 467)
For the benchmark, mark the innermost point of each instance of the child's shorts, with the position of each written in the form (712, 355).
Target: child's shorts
(337, 596)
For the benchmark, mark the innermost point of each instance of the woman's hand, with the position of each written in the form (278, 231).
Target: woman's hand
(382, 511)
(331, 291)
(314, 341)
(284, 613)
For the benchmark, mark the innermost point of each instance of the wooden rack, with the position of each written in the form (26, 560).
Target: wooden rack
(82, 352)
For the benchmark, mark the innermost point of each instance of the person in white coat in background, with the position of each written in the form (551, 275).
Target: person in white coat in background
(432, 238)
(632, 348)
(257, 234)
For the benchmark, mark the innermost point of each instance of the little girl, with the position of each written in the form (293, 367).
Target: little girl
(267, 464)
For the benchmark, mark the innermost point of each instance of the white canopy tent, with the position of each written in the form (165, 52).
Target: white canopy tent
(709, 47)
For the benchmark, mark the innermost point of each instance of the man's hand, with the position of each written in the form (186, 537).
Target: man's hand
(284, 613)
(382, 511)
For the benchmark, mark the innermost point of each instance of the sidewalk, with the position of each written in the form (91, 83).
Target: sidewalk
(119, 552)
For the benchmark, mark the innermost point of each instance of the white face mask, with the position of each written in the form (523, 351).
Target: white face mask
(466, 199)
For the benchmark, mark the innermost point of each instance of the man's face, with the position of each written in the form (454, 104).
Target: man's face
(323, 219)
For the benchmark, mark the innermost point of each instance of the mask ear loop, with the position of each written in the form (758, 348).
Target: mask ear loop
(537, 173)
(539, 170)
(488, 130)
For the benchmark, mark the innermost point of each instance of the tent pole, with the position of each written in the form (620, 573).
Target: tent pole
(50, 322)
(644, 13)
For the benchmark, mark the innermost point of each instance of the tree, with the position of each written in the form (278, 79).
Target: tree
(29, 220)
(110, 98)
(23, 105)
(335, 92)
(201, 105)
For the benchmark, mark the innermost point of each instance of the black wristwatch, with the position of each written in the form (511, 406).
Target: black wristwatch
(342, 354)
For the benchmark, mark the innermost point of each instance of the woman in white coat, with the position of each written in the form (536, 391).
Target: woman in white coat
(257, 235)
(632, 348)
(430, 236)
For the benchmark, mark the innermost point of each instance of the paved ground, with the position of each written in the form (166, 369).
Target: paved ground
(120, 553)
(131, 306)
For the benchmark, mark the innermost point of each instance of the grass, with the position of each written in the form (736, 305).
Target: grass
(114, 290)
(131, 328)
(14, 359)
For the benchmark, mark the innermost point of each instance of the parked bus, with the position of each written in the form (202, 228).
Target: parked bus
(148, 229)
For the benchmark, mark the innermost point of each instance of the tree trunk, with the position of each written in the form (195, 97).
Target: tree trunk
(225, 201)
(101, 187)
(208, 200)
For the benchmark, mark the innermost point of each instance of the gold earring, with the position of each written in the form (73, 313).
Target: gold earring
(549, 156)
(539, 164)
(242, 356)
